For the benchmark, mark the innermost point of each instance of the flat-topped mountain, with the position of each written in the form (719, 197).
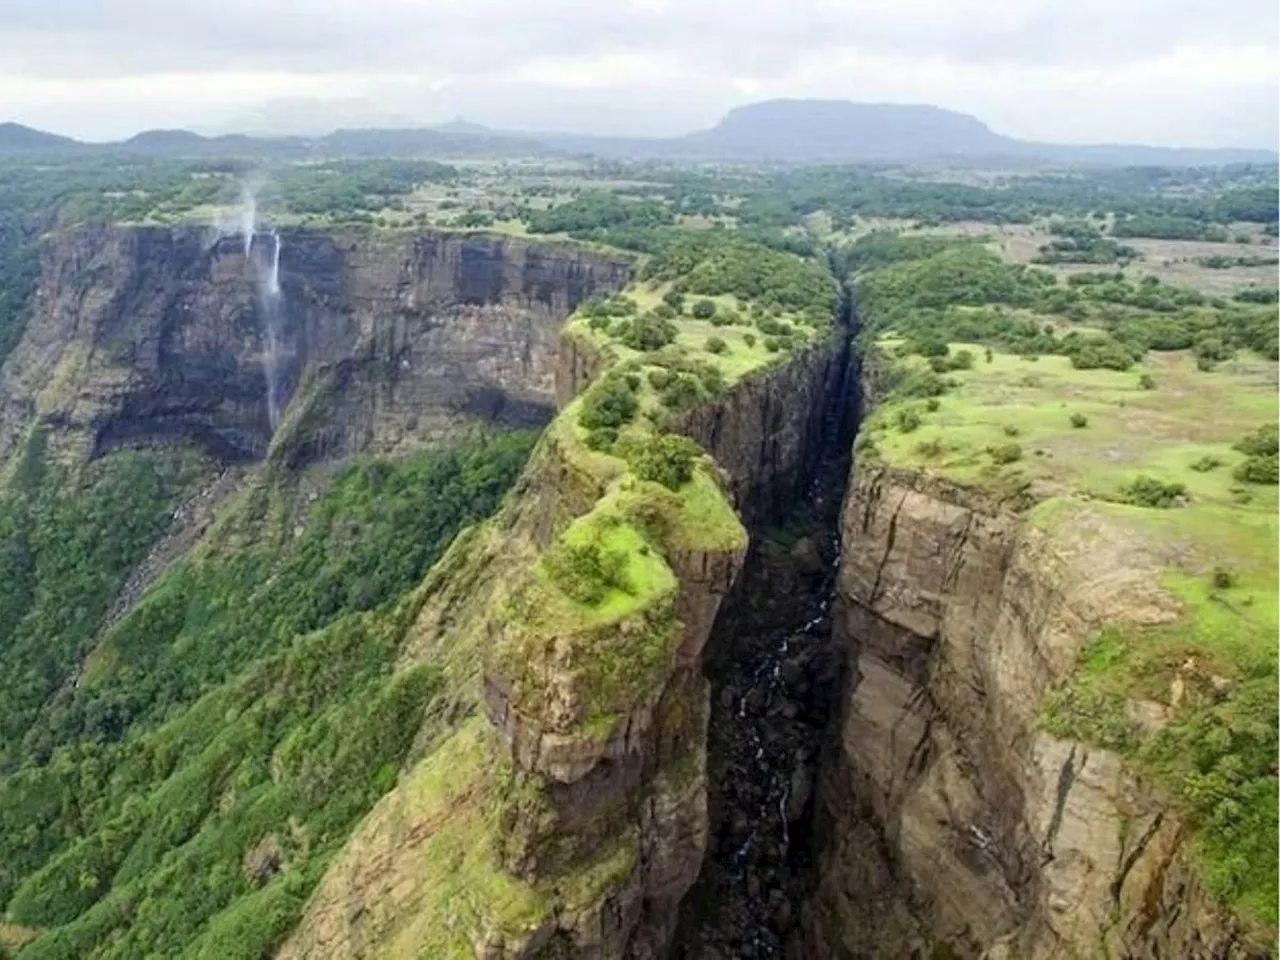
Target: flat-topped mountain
(789, 131)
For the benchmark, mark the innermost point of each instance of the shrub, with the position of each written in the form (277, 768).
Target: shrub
(727, 317)
(674, 299)
(1005, 453)
(587, 572)
(612, 404)
(648, 332)
(929, 448)
(665, 458)
(1259, 469)
(988, 355)
(1223, 579)
(932, 404)
(749, 339)
(935, 348)
(1079, 421)
(704, 309)
(660, 379)
(1147, 382)
(772, 344)
(1093, 353)
(865, 448)
(1257, 295)
(1212, 348)
(1147, 491)
(602, 438)
(1206, 463)
(682, 392)
(921, 383)
(907, 420)
(1263, 441)
(712, 379)
(716, 345)
(1011, 431)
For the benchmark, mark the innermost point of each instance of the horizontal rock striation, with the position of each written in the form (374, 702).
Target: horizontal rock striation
(141, 334)
(951, 825)
(594, 784)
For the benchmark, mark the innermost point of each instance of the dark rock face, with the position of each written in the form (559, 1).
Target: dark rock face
(947, 822)
(147, 333)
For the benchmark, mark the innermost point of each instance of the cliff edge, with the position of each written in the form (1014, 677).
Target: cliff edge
(1026, 655)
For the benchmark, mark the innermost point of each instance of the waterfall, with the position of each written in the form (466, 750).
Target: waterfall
(269, 299)
(270, 302)
(248, 217)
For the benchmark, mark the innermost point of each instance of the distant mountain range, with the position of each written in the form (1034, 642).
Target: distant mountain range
(786, 131)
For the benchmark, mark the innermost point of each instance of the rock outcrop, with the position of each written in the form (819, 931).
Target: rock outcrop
(588, 810)
(950, 824)
(385, 339)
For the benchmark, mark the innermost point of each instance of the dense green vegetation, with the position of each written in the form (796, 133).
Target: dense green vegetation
(66, 544)
(182, 787)
(1081, 242)
(344, 187)
(187, 793)
(966, 293)
(844, 192)
(1168, 227)
(596, 211)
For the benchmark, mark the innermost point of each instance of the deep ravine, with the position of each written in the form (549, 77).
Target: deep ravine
(773, 678)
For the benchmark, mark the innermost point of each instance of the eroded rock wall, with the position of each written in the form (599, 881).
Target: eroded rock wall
(581, 791)
(385, 339)
(948, 821)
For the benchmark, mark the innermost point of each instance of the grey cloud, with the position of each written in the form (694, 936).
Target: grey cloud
(86, 38)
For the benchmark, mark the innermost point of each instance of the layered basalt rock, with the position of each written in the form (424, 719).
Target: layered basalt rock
(951, 825)
(385, 339)
(593, 790)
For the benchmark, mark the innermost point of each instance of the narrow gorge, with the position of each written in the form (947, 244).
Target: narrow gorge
(712, 677)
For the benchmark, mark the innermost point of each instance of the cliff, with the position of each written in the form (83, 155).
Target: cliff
(951, 822)
(380, 339)
(568, 816)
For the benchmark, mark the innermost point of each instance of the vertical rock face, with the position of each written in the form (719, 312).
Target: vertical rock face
(603, 825)
(768, 433)
(949, 822)
(145, 332)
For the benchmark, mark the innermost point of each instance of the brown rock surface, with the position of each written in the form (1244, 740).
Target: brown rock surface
(947, 817)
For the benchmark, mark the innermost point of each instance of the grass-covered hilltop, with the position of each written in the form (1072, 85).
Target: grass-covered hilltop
(414, 666)
(1140, 420)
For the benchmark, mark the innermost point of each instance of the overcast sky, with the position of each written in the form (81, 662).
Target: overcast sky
(1169, 72)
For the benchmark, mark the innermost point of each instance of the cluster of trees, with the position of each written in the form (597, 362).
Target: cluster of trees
(712, 263)
(349, 186)
(967, 293)
(780, 199)
(1168, 227)
(1080, 241)
(1262, 451)
(66, 544)
(188, 794)
(599, 210)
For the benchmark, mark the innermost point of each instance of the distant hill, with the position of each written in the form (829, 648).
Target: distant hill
(787, 131)
(838, 129)
(311, 117)
(15, 138)
(819, 131)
